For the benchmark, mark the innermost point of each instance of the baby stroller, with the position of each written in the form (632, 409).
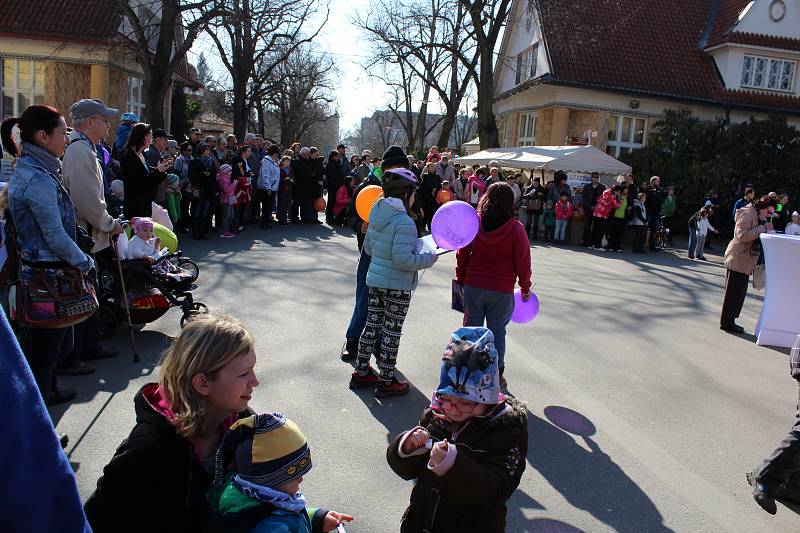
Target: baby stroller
(152, 289)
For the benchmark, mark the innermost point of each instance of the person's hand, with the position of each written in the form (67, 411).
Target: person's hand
(768, 226)
(438, 453)
(526, 295)
(333, 519)
(158, 243)
(164, 165)
(151, 259)
(364, 226)
(117, 229)
(415, 440)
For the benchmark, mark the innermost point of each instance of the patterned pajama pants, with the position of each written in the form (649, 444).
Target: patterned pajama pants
(386, 312)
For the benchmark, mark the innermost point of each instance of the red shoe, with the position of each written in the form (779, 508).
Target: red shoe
(358, 381)
(392, 388)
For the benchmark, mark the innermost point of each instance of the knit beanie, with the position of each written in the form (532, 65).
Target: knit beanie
(394, 156)
(225, 170)
(469, 367)
(267, 449)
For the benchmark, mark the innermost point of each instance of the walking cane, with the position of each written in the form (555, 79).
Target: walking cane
(125, 299)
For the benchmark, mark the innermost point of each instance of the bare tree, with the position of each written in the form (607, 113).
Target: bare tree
(427, 46)
(253, 38)
(488, 18)
(159, 33)
(301, 92)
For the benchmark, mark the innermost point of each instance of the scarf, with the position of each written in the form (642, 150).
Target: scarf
(43, 157)
(293, 503)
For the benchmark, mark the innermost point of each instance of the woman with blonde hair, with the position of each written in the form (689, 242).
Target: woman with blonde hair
(165, 466)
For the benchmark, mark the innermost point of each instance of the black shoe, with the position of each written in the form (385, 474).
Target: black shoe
(762, 494)
(76, 368)
(61, 396)
(350, 350)
(102, 353)
(63, 438)
(733, 327)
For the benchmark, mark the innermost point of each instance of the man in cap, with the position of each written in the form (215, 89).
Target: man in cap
(365, 167)
(83, 178)
(345, 164)
(155, 153)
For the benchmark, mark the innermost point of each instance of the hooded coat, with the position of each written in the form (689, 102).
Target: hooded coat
(471, 496)
(496, 259)
(392, 242)
(154, 482)
(606, 204)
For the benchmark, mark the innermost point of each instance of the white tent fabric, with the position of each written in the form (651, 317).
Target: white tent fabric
(550, 158)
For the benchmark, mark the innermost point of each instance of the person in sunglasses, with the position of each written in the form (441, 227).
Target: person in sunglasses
(468, 452)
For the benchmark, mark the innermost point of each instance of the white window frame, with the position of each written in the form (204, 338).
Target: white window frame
(135, 99)
(771, 68)
(34, 93)
(617, 144)
(526, 134)
(527, 63)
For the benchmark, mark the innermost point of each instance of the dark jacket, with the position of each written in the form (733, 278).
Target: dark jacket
(153, 482)
(655, 197)
(140, 185)
(305, 175)
(205, 183)
(334, 178)
(471, 497)
(589, 197)
(353, 220)
(431, 183)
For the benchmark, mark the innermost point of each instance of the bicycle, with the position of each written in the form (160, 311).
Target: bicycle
(662, 235)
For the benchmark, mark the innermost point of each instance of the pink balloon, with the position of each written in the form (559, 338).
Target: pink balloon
(454, 225)
(524, 312)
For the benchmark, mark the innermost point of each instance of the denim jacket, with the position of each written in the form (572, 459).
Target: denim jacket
(43, 233)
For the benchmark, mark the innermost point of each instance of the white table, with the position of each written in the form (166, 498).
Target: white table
(779, 323)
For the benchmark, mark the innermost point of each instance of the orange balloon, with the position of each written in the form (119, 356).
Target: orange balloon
(366, 199)
(444, 196)
(319, 204)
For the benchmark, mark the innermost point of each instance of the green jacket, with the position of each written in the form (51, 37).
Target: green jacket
(668, 207)
(232, 511)
(549, 216)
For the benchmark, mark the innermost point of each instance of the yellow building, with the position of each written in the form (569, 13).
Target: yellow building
(604, 72)
(59, 52)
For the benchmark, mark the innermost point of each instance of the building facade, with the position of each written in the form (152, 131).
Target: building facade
(603, 73)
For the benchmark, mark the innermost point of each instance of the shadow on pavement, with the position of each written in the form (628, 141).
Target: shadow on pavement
(396, 413)
(115, 374)
(752, 338)
(587, 478)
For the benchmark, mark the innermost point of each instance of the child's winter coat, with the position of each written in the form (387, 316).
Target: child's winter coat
(227, 188)
(605, 204)
(563, 210)
(391, 240)
(173, 198)
(549, 216)
(471, 496)
(244, 191)
(342, 200)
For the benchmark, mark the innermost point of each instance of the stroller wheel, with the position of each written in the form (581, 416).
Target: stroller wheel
(197, 308)
(107, 320)
(191, 267)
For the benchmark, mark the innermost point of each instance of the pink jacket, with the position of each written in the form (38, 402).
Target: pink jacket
(605, 204)
(563, 210)
(342, 200)
(226, 188)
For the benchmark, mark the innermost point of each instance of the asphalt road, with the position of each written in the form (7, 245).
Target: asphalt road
(644, 416)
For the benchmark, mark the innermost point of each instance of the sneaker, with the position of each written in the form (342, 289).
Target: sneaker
(350, 350)
(358, 381)
(762, 494)
(391, 388)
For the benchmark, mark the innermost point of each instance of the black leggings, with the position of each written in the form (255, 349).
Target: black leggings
(386, 312)
(43, 349)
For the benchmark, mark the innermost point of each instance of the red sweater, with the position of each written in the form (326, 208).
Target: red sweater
(496, 259)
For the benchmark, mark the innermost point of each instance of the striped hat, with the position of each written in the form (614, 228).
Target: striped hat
(268, 450)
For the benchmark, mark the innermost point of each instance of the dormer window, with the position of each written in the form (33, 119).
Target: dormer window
(526, 63)
(768, 73)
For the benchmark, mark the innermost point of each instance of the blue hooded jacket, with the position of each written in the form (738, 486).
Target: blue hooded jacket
(392, 242)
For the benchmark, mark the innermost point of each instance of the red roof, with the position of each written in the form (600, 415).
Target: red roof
(722, 18)
(68, 20)
(647, 48)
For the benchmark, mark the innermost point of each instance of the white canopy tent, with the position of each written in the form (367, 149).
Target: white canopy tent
(580, 159)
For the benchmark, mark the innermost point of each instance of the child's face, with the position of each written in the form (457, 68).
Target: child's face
(145, 232)
(563, 198)
(458, 410)
(291, 487)
(796, 219)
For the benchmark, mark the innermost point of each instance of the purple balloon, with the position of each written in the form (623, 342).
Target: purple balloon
(524, 312)
(106, 155)
(454, 225)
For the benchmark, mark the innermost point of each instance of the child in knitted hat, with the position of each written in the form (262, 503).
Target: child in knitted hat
(173, 198)
(468, 452)
(144, 245)
(270, 456)
(227, 199)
